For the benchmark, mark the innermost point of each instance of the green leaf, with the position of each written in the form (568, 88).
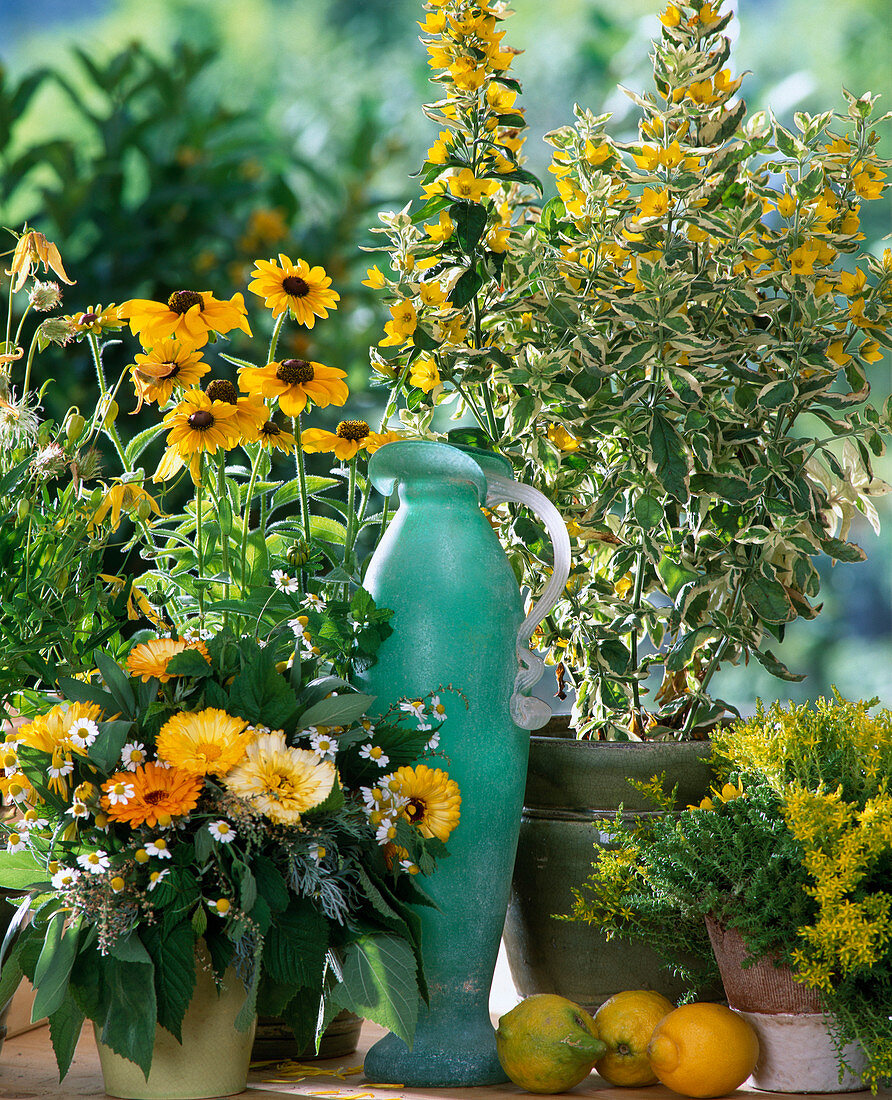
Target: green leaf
(768, 600)
(674, 576)
(337, 710)
(296, 945)
(328, 530)
(65, 1029)
(130, 949)
(106, 749)
(469, 219)
(19, 870)
(682, 652)
(54, 966)
(668, 460)
(301, 1014)
(138, 444)
(78, 691)
(379, 983)
(129, 1026)
(173, 953)
(777, 668)
(842, 551)
(648, 511)
(465, 288)
(189, 662)
(271, 884)
(117, 681)
(290, 491)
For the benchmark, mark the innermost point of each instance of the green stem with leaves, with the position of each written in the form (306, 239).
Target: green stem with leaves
(246, 523)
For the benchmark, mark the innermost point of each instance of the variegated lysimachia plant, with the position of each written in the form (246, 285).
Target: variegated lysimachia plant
(678, 351)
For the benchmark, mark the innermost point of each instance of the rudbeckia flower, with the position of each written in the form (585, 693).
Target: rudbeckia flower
(345, 442)
(32, 250)
(169, 364)
(250, 412)
(190, 315)
(293, 382)
(198, 425)
(302, 289)
(272, 437)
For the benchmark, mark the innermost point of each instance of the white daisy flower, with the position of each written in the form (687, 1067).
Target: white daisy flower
(17, 792)
(221, 831)
(413, 706)
(324, 745)
(78, 809)
(438, 711)
(297, 627)
(317, 853)
(133, 755)
(94, 862)
(197, 634)
(64, 878)
(376, 753)
(120, 793)
(409, 867)
(15, 842)
(158, 848)
(157, 876)
(57, 771)
(386, 831)
(83, 733)
(433, 742)
(424, 726)
(33, 820)
(284, 582)
(315, 601)
(371, 796)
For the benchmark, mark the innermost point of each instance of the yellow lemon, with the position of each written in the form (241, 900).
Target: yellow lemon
(547, 1044)
(625, 1023)
(703, 1050)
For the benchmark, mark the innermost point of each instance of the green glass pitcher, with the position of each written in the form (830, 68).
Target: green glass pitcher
(459, 621)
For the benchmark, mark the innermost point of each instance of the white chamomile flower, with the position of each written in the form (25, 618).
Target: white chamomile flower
(83, 733)
(424, 726)
(64, 878)
(376, 753)
(222, 831)
(438, 711)
(158, 848)
(259, 731)
(324, 745)
(433, 742)
(371, 796)
(197, 634)
(157, 876)
(284, 581)
(386, 831)
(78, 809)
(133, 755)
(120, 793)
(315, 601)
(33, 820)
(317, 853)
(94, 862)
(297, 627)
(15, 842)
(413, 706)
(57, 771)
(409, 867)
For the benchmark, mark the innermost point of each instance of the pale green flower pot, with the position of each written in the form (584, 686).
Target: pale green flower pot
(212, 1060)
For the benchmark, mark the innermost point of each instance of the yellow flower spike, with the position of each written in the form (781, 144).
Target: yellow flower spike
(32, 250)
(648, 159)
(500, 98)
(786, 206)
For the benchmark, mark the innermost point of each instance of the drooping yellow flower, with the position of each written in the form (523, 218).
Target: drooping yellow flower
(149, 659)
(199, 426)
(272, 437)
(159, 794)
(279, 781)
(345, 442)
(32, 250)
(294, 382)
(433, 800)
(304, 290)
(206, 742)
(123, 496)
(138, 605)
(190, 315)
(168, 364)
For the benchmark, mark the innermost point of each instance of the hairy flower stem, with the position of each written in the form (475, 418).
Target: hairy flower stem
(301, 476)
(274, 339)
(224, 534)
(106, 399)
(246, 522)
(393, 400)
(350, 537)
(199, 548)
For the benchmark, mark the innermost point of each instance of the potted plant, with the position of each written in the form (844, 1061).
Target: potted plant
(787, 861)
(212, 821)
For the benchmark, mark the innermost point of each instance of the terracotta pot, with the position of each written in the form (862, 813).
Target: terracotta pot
(796, 1051)
(212, 1060)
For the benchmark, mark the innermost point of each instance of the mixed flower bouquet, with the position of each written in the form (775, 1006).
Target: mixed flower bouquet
(792, 849)
(209, 779)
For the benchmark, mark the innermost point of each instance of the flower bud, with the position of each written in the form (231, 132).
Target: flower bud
(22, 509)
(74, 427)
(110, 414)
(144, 509)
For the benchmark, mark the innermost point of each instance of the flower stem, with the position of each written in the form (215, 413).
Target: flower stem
(301, 476)
(224, 534)
(246, 524)
(274, 339)
(390, 407)
(199, 549)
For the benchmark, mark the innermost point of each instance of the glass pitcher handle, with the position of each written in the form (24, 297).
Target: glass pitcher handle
(526, 712)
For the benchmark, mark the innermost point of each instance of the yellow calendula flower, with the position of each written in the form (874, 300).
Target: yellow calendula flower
(424, 374)
(294, 382)
(32, 250)
(433, 800)
(190, 315)
(303, 290)
(205, 742)
(122, 497)
(149, 659)
(348, 439)
(279, 781)
(168, 364)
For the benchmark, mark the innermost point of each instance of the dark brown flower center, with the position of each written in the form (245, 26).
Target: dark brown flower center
(415, 809)
(181, 301)
(295, 370)
(89, 318)
(221, 389)
(270, 428)
(352, 429)
(201, 420)
(295, 286)
(154, 797)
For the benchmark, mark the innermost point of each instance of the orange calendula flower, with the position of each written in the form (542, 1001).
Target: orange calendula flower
(294, 382)
(304, 290)
(169, 364)
(345, 442)
(158, 793)
(32, 250)
(207, 742)
(149, 659)
(190, 315)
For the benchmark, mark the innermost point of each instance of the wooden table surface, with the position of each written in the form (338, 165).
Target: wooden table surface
(28, 1072)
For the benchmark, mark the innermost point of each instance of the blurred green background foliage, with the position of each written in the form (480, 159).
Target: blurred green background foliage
(169, 143)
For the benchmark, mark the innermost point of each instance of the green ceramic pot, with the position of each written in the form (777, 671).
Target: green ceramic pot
(212, 1060)
(570, 784)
